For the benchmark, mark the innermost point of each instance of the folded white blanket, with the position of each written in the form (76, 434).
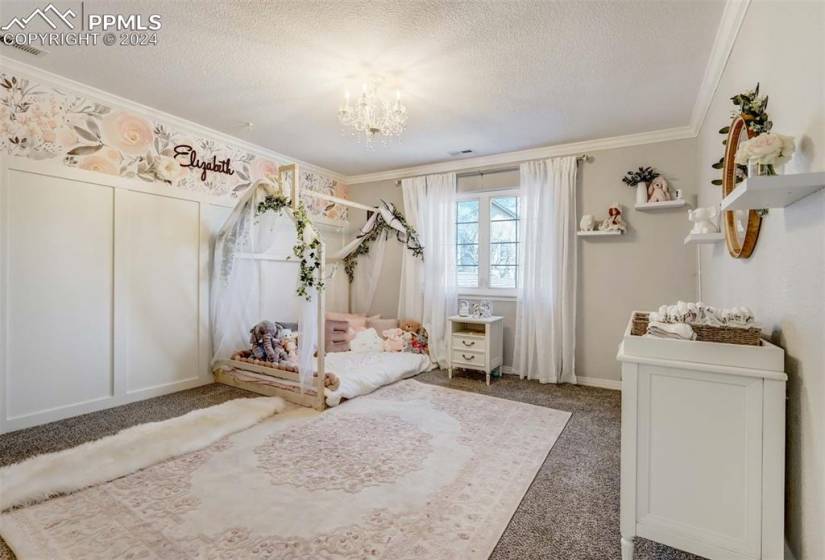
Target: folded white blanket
(680, 331)
(702, 314)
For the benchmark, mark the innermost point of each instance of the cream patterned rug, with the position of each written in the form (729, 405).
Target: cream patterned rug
(411, 471)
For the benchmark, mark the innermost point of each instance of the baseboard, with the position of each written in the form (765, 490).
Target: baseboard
(613, 384)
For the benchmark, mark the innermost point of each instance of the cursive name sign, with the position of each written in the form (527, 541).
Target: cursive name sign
(190, 159)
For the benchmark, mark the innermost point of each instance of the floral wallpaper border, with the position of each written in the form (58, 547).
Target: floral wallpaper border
(42, 122)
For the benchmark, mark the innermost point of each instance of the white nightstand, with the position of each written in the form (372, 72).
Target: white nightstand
(476, 343)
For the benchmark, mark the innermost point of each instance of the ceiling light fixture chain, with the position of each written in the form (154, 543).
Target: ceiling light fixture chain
(373, 117)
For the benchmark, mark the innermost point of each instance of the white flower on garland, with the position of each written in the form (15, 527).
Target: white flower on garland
(766, 149)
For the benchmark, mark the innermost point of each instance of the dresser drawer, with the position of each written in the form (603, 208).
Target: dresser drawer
(469, 358)
(464, 342)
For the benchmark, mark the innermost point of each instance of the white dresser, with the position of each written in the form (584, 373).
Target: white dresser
(476, 343)
(703, 447)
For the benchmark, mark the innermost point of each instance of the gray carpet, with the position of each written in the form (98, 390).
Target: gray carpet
(570, 512)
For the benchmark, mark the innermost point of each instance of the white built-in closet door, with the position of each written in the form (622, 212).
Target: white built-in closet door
(59, 293)
(160, 242)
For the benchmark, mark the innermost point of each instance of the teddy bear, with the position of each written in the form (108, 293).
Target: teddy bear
(658, 190)
(396, 340)
(266, 343)
(290, 344)
(409, 325)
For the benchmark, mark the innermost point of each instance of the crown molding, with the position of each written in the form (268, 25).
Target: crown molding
(178, 123)
(496, 160)
(733, 14)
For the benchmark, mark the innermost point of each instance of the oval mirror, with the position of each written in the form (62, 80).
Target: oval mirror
(741, 226)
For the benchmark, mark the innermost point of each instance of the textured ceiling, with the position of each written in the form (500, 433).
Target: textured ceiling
(490, 76)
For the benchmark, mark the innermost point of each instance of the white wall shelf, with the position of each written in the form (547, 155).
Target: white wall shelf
(773, 191)
(610, 233)
(704, 237)
(667, 205)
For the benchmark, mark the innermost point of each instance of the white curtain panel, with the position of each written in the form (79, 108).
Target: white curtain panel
(428, 289)
(545, 334)
(411, 295)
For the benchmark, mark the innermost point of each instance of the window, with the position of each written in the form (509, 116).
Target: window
(487, 243)
(467, 217)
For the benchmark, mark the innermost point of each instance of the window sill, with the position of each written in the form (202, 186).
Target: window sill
(502, 294)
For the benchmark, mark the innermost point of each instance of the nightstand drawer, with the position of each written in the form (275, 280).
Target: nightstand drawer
(462, 342)
(469, 358)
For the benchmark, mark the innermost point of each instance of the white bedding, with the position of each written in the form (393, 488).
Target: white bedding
(364, 372)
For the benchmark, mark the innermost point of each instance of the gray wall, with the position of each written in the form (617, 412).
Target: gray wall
(646, 267)
(641, 270)
(780, 45)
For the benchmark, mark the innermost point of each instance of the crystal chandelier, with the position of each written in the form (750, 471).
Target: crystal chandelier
(373, 117)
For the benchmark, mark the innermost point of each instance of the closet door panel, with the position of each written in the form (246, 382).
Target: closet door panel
(58, 293)
(161, 292)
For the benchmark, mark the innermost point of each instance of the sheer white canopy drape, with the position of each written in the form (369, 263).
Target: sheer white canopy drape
(254, 278)
(367, 275)
(428, 289)
(545, 334)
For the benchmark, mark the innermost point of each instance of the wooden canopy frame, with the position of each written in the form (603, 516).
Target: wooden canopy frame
(272, 380)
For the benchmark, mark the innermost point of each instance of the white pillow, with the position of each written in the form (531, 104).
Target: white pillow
(367, 341)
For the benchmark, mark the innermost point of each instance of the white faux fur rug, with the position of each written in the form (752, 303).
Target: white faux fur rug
(410, 471)
(128, 451)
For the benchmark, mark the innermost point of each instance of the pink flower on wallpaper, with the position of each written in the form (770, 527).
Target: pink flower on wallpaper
(263, 169)
(106, 160)
(128, 133)
(341, 190)
(66, 137)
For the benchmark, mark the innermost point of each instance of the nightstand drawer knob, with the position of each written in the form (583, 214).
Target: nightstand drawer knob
(468, 343)
(468, 358)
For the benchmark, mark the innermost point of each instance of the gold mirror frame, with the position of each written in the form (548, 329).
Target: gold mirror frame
(737, 249)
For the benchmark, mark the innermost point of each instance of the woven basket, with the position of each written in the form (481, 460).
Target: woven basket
(705, 333)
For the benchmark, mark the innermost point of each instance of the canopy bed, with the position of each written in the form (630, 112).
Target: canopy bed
(269, 336)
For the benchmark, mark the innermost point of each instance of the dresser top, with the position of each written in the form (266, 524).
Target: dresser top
(460, 319)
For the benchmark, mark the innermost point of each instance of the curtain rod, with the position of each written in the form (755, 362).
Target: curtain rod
(585, 158)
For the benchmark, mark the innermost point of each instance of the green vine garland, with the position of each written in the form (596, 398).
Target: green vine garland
(309, 253)
(409, 239)
(751, 108)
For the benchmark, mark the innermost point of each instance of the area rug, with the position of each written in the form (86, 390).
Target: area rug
(410, 471)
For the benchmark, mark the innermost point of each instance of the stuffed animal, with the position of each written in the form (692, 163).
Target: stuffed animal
(658, 190)
(266, 343)
(290, 344)
(408, 325)
(614, 221)
(587, 223)
(331, 381)
(396, 340)
(705, 220)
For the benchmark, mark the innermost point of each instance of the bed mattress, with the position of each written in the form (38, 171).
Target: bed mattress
(364, 372)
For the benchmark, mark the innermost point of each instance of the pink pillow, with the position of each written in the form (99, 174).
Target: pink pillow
(357, 321)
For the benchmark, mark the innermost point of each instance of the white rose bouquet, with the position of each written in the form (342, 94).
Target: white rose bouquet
(766, 150)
